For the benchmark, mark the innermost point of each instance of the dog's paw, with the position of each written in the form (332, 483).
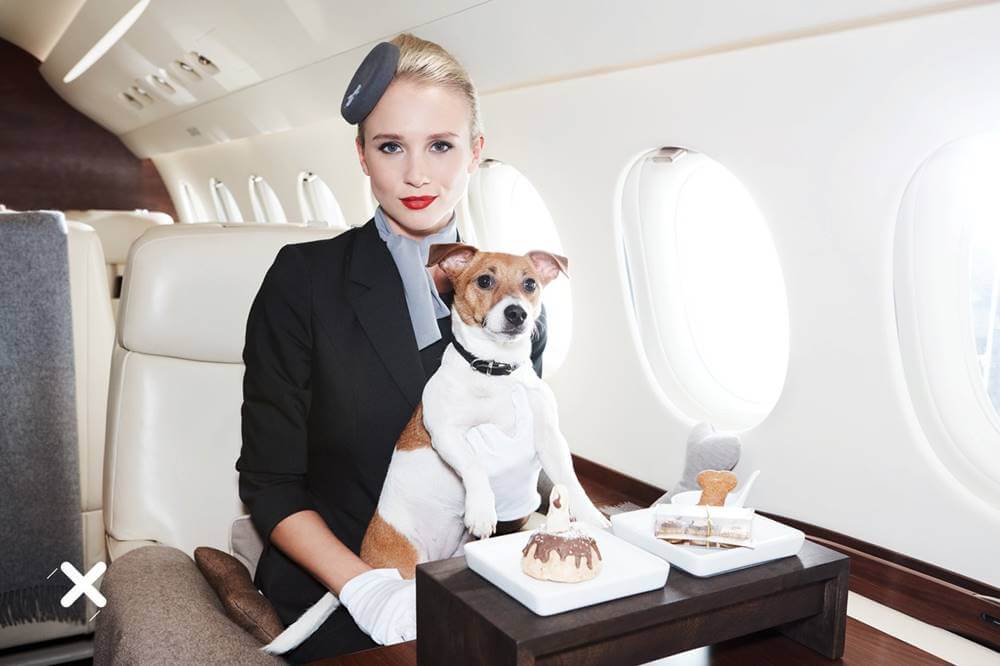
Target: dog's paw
(480, 513)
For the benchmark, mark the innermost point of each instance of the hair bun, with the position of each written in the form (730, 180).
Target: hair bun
(369, 82)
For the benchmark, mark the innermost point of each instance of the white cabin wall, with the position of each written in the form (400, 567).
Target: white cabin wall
(825, 131)
(325, 148)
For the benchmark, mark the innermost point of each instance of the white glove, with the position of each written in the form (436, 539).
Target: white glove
(383, 604)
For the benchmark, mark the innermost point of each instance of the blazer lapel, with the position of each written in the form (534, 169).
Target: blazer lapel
(376, 294)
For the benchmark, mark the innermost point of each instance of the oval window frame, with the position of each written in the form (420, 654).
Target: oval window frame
(670, 359)
(952, 407)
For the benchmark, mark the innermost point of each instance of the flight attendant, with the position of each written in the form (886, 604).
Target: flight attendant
(341, 338)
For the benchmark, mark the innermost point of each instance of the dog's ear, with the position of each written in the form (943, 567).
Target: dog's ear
(549, 265)
(452, 257)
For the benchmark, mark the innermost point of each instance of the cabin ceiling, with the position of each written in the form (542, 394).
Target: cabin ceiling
(284, 64)
(250, 40)
(36, 26)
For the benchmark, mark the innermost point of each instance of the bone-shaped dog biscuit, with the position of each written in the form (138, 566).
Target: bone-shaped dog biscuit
(715, 485)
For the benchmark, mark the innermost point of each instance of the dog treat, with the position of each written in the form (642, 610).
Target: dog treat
(560, 552)
(704, 525)
(715, 485)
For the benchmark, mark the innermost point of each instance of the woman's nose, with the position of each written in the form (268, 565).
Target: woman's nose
(416, 175)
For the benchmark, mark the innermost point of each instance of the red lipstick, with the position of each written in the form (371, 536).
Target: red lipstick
(417, 203)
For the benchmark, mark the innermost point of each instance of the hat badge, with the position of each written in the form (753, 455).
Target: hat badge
(350, 98)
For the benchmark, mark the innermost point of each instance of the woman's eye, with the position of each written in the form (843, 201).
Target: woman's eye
(529, 285)
(485, 281)
(390, 147)
(441, 146)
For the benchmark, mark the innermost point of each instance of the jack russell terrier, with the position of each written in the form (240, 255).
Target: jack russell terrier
(442, 489)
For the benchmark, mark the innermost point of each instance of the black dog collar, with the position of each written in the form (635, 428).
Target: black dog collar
(483, 366)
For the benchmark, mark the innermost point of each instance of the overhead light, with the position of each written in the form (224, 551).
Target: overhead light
(107, 41)
(140, 94)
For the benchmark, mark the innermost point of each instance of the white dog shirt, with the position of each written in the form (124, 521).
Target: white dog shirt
(513, 468)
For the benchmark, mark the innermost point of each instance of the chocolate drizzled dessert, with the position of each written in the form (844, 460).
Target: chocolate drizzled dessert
(558, 551)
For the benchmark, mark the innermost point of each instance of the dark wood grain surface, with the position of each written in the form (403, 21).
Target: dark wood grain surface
(865, 647)
(799, 593)
(55, 157)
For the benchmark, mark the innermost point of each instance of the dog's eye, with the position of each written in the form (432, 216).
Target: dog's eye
(485, 281)
(529, 285)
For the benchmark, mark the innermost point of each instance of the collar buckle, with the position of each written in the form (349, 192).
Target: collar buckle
(486, 366)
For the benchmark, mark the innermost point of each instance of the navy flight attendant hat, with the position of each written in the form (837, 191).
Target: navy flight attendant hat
(369, 83)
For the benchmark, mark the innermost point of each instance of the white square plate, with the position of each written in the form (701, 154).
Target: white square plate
(627, 570)
(771, 539)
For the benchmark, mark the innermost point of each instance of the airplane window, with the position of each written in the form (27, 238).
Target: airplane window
(984, 277)
(266, 207)
(319, 206)
(191, 205)
(947, 297)
(706, 288)
(226, 209)
(505, 213)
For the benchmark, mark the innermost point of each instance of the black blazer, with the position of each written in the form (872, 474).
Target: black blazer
(332, 376)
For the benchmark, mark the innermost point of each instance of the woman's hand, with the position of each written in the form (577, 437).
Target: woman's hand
(383, 605)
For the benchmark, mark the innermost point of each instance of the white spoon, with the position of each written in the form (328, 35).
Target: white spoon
(742, 497)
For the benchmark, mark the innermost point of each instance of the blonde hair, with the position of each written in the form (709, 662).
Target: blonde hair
(426, 63)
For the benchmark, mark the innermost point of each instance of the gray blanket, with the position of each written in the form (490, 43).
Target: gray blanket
(40, 524)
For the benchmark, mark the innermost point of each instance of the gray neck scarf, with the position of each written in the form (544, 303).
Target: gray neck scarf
(422, 299)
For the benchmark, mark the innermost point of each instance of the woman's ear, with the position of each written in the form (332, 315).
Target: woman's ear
(477, 153)
(452, 257)
(361, 155)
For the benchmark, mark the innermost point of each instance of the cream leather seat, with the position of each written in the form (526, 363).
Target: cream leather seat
(93, 339)
(174, 429)
(118, 229)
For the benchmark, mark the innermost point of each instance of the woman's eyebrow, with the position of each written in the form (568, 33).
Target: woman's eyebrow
(397, 137)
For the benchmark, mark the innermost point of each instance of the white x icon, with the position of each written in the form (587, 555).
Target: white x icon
(84, 584)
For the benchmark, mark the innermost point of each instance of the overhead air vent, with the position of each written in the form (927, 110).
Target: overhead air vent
(186, 71)
(130, 101)
(204, 63)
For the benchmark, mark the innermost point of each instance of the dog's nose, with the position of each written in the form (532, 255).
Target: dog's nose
(515, 314)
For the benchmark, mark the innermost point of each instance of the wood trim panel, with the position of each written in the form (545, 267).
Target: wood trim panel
(56, 158)
(919, 589)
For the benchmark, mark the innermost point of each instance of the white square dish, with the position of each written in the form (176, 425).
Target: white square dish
(626, 570)
(771, 540)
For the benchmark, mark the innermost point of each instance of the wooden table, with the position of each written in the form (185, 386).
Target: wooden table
(462, 617)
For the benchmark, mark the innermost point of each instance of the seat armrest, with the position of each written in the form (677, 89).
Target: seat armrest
(161, 610)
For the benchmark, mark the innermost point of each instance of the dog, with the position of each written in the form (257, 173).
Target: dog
(437, 494)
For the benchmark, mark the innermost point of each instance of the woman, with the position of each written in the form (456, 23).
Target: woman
(340, 341)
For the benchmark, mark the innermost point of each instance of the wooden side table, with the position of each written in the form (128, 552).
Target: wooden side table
(462, 617)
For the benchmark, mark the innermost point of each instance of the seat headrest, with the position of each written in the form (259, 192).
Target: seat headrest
(509, 212)
(118, 229)
(188, 288)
